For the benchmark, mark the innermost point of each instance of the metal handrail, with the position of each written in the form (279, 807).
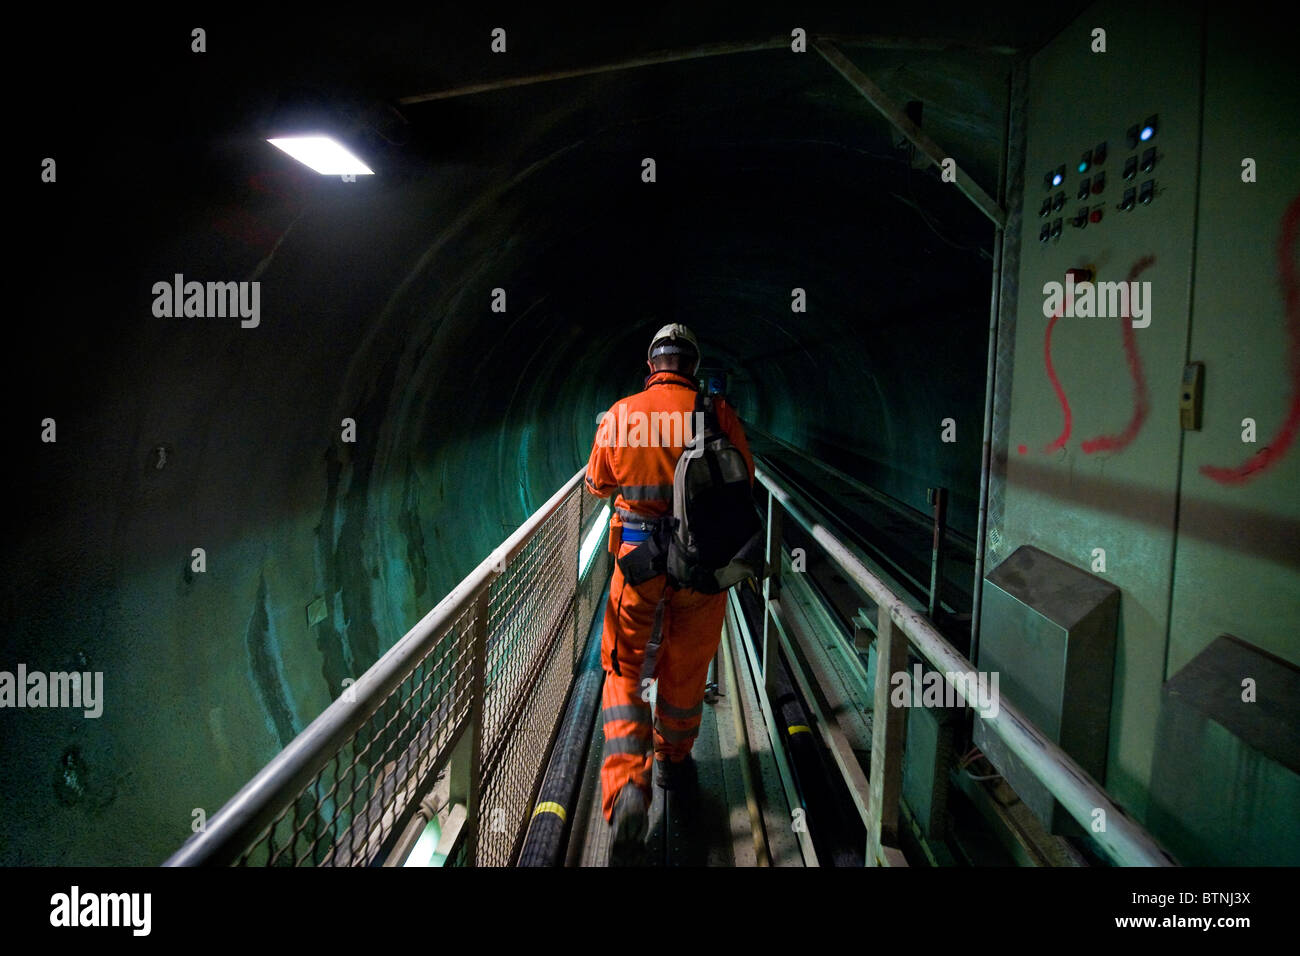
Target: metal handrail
(255, 807)
(1123, 839)
(914, 516)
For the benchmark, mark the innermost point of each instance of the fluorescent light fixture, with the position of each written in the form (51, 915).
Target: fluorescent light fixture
(326, 156)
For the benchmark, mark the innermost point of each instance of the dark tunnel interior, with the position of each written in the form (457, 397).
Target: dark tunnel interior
(176, 433)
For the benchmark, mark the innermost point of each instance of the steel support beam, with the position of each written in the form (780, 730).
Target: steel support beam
(1002, 307)
(649, 59)
(877, 98)
(930, 44)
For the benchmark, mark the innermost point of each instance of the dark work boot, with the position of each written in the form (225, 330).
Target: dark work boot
(680, 787)
(628, 825)
(677, 777)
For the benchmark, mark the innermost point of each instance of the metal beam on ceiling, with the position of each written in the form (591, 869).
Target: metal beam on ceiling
(827, 46)
(931, 44)
(877, 98)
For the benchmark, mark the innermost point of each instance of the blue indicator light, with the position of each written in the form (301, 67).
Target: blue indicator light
(1083, 166)
(1146, 134)
(1057, 179)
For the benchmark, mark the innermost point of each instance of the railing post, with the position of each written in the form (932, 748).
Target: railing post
(579, 629)
(938, 498)
(771, 586)
(465, 778)
(888, 729)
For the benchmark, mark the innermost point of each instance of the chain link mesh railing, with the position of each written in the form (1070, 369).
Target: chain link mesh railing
(500, 649)
(347, 811)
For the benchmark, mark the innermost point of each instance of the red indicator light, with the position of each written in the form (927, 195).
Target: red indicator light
(1095, 215)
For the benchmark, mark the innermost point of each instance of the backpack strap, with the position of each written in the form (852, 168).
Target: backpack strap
(650, 662)
(704, 403)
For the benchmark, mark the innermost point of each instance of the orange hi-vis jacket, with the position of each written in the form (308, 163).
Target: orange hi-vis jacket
(634, 458)
(640, 439)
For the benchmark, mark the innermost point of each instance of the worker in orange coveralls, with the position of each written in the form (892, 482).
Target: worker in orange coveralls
(637, 465)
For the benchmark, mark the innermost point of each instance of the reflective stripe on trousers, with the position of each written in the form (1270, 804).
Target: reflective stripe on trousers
(691, 627)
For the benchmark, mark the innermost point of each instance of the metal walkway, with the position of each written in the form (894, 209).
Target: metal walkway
(450, 749)
(721, 830)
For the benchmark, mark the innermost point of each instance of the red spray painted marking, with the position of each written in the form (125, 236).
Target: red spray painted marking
(1056, 384)
(1141, 401)
(1271, 453)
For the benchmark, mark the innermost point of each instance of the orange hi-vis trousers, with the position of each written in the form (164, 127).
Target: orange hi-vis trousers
(690, 634)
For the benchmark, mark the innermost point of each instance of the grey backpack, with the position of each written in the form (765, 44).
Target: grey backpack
(717, 538)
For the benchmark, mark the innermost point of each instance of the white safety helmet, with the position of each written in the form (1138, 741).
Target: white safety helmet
(675, 339)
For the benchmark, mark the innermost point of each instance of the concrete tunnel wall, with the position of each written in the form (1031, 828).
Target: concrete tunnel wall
(375, 306)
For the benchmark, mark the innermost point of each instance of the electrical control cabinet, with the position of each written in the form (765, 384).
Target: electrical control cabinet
(1050, 638)
(1120, 428)
(1237, 561)
(1093, 439)
(1212, 734)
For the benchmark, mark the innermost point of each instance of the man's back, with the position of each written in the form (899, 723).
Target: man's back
(642, 436)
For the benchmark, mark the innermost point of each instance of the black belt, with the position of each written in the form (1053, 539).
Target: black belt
(640, 522)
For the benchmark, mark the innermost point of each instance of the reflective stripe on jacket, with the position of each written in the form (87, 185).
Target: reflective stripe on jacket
(640, 438)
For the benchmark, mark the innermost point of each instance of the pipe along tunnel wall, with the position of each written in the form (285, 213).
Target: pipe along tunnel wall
(192, 432)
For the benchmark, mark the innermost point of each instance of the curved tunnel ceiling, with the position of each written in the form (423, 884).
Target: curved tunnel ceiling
(772, 174)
